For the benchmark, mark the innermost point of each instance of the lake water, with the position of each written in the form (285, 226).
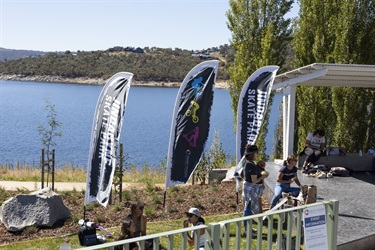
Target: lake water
(145, 131)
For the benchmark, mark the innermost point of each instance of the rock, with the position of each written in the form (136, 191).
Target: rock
(229, 175)
(217, 175)
(41, 208)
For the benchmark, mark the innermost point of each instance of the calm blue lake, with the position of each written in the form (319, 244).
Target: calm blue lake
(145, 131)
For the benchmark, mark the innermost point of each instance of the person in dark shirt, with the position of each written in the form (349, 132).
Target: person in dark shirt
(286, 176)
(140, 221)
(127, 232)
(253, 185)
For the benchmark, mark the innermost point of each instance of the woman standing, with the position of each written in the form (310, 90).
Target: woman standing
(253, 185)
(195, 219)
(287, 175)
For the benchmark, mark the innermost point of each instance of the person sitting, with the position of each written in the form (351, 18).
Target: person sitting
(127, 232)
(315, 142)
(140, 221)
(287, 175)
(195, 219)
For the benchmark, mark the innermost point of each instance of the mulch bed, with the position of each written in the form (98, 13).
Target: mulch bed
(213, 199)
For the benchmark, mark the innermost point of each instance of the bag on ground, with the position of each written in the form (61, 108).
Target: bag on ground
(311, 194)
(340, 171)
(87, 233)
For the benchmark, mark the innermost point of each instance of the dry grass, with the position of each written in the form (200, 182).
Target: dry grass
(71, 173)
(68, 173)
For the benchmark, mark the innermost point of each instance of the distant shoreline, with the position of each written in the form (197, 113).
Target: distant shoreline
(96, 81)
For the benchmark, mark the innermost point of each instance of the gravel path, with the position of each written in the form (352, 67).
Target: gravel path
(32, 186)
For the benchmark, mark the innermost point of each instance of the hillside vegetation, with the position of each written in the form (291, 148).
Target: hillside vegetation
(148, 64)
(12, 54)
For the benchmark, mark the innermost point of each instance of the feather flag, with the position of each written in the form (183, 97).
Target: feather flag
(190, 122)
(252, 106)
(105, 137)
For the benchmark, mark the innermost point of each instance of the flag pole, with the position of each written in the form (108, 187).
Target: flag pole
(84, 212)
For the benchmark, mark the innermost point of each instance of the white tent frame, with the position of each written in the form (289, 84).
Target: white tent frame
(317, 74)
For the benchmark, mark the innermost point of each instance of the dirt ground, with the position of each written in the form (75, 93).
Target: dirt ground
(211, 199)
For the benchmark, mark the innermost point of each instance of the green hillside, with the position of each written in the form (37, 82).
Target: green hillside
(148, 64)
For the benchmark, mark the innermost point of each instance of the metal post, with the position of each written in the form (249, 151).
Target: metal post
(332, 223)
(213, 237)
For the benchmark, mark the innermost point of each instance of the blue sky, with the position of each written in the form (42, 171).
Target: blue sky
(59, 25)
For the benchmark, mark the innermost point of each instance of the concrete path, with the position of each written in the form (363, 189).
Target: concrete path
(32, 186)
(356, 196)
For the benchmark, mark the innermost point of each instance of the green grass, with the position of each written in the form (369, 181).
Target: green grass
(152, 228)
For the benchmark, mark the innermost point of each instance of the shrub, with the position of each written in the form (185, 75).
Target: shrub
(213, 158)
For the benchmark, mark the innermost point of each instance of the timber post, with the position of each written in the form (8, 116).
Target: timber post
(53, 170)
(47, 163)
(42, 166)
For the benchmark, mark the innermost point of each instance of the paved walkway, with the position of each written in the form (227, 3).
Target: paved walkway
(356, 196)
(32, 186)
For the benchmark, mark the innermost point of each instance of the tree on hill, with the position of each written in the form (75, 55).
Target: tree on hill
(155, 64)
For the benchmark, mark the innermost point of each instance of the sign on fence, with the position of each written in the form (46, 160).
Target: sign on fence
(315, 228)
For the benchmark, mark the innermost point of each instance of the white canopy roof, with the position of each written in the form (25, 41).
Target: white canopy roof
(317, 74)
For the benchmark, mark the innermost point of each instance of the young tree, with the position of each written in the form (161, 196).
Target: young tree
(260, 36)
(214, 157)
(50, 132)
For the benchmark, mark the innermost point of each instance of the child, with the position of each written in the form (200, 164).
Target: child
(195, 219)
(262, 165)
(127, 232)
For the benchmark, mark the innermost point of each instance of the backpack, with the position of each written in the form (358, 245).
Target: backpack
(87, 234)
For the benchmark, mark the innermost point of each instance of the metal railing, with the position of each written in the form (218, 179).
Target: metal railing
(227, 234)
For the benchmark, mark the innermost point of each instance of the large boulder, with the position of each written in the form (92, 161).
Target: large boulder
(41, 208)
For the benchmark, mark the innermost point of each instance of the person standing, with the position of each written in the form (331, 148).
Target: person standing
(287, 175)
(253, 183)
(315, 143)
(195, 219)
